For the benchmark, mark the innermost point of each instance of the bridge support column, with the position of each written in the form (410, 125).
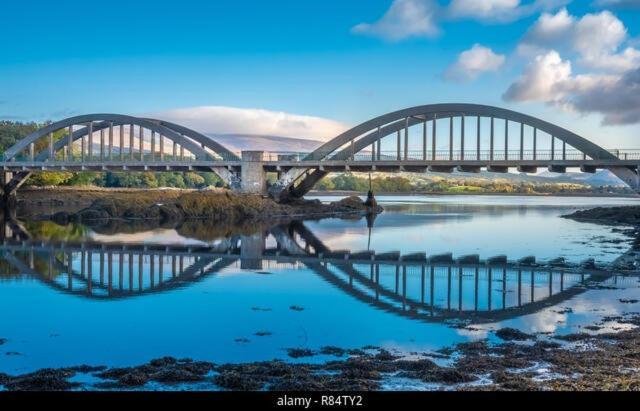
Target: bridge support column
(10, 182)
(285, 180)
(230, 177)
(8, 193)
(254, 178)
(251, 250)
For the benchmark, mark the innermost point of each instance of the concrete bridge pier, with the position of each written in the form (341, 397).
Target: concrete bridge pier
(8, 194)
(253, 176)
(251, 250)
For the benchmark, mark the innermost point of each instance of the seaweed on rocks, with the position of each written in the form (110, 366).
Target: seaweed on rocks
(300, 352)
(512, 334)
(46, 379)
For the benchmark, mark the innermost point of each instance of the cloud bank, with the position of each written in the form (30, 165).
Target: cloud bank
(421, 18)
(595, 39)
(232, 120)
(609, 82)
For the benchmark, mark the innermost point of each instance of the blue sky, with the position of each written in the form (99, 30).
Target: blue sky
(344, 61)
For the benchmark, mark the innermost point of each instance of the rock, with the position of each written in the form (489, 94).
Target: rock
(174, 375)
(511, 334)
(629, 215)
(85, 369)
(385, 355)
(235, 381)
(331, 350)
(163, 362)
(304, 383)
(47, 379)
(300, 352)
(513, 381)
(446, 376)
(133, 379)
(574, 337)
(423, 365)
(352, 204)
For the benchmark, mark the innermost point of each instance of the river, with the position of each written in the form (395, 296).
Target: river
(143, 294)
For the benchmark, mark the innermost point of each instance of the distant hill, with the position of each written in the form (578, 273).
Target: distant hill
(600, 178)
(239, 142)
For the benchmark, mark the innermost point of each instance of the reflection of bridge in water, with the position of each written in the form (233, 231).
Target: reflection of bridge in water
(411, 285)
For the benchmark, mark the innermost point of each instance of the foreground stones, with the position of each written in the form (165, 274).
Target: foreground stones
(603, 362)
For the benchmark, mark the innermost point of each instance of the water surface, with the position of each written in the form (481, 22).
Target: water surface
(146, 293)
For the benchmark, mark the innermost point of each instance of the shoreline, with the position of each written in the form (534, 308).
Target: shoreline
(411, 194)
(518, 361)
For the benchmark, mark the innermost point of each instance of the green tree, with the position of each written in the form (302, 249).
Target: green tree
(49, 178)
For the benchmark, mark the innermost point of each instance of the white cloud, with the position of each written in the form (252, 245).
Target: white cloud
(421, 18)
(473, 62)
(549, 79)
(483, 9)
(502, 11)
(619, 62)
(549, 30)
(598, 35)
(595, 39)
(404, 19)
(544, 79)
(232, 120)
(618, 101)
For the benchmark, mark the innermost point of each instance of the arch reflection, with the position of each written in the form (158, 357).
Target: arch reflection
(417, 286)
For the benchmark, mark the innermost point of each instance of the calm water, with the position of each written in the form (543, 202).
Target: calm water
(122, 296)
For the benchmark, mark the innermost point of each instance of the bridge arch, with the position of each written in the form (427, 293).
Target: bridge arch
(189, 139)
(369, 134)
(127, 138)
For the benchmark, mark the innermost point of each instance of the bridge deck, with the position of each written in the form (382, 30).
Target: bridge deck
(328, 165)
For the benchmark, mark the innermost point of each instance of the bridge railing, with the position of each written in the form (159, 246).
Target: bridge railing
(115, 157)
(368, 156)
(455, 155)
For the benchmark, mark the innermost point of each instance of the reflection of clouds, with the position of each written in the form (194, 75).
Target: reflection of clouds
(474, 333)
(545, 321)
(158, 236)
(587, 309)
(459, 225)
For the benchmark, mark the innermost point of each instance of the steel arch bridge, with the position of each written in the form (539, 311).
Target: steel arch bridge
(411, 139)
(113, 142)
(437, 137)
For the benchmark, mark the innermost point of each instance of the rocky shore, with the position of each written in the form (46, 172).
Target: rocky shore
(582, 361)
(627, 215)
(175, 205)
